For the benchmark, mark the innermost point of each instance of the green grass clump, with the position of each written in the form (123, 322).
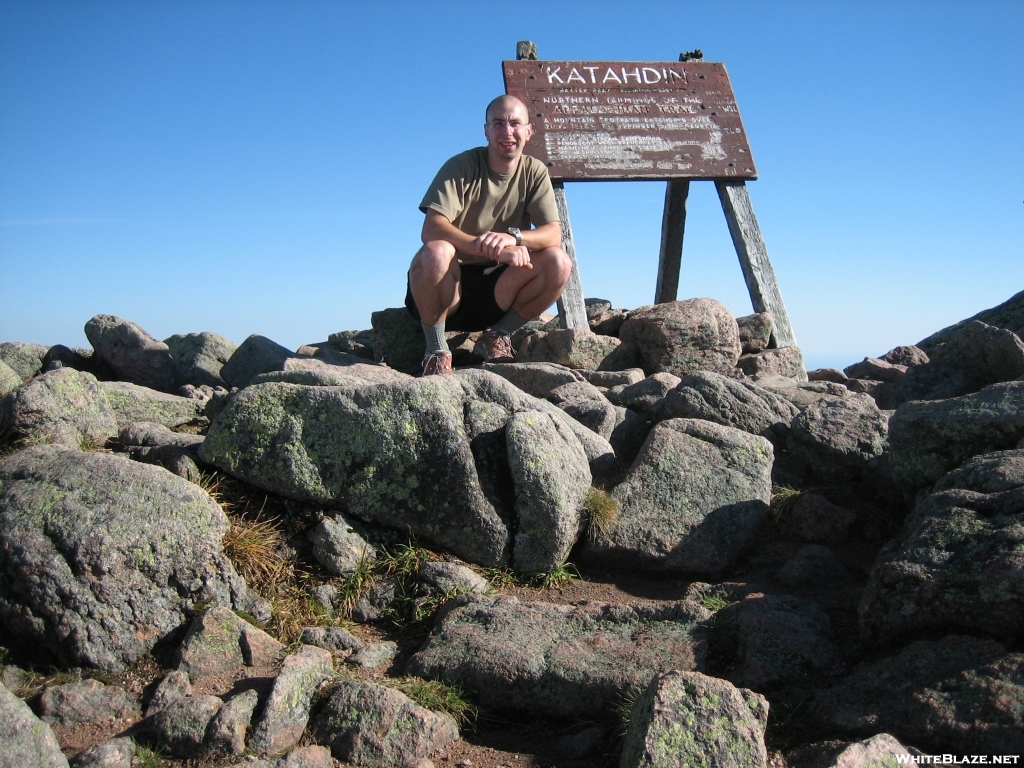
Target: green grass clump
(623, 707)
(784, 498)
(559, 577)
(715, 602)
(356, 584)
(148, 758)
(602, 513)
(439, 697)
(404, 561)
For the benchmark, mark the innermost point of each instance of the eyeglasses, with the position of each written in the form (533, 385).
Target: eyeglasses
(513, 124)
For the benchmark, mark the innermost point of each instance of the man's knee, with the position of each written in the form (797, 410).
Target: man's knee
(557, 265)
(433, 260)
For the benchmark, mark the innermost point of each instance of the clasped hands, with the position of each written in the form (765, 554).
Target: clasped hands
(502, 247)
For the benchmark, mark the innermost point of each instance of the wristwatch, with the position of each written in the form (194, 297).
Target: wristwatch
(517, 234)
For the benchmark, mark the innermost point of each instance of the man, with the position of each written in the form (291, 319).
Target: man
(491, 257)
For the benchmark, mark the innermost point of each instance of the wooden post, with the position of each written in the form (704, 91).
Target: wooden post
(673, 225)
(572, 311)
(753, 256)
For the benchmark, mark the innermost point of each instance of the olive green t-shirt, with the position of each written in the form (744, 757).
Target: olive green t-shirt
(476, 199)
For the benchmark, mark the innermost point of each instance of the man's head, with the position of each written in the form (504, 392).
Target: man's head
(507, 128)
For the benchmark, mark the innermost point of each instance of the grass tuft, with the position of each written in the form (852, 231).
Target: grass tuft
(404, 561)
(254, 548)
(502, 577)
(602, 513)
(149, 758)
(715, 603)
(439, 697)
(356, 584)
(784, 498)
(34, 682)
(559, 577)
(623, 707)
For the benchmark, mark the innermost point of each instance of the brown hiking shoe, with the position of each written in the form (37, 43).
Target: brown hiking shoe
(495, 347)
(437, 363)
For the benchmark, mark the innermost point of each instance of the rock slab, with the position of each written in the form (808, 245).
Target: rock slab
(694, 500)
(568, 661)
(100, 556)
(685, 718)
(372, 725)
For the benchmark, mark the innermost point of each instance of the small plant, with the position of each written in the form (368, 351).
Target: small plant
(253, 548)
(784, 498)
(559, 577)
(502, 577)
(602, 512)
(93, 444)
(356, 584)
(148, 758)
(404, 561)
(293, 609)
(714, 603)
(34, 682)
(623, 706)
(212, 483)
(439, 697)
(414, 616)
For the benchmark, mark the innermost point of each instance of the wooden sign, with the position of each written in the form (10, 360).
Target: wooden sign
(596, 120)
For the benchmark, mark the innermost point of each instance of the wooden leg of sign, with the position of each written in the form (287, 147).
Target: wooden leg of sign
(571, 310)
(757, 269)
(673, 225)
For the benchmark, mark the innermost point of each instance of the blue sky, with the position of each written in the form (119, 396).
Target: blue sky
(255, 167)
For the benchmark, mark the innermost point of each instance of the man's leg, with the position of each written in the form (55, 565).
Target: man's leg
(434, 283)
(525, 293)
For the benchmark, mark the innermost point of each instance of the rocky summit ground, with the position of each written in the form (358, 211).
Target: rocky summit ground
(658, 541)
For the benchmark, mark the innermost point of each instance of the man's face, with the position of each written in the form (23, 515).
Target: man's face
(508, 129)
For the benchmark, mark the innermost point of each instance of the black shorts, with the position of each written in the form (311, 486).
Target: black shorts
(477, 308)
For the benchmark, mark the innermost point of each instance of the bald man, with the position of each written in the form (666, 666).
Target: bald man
(491, 258)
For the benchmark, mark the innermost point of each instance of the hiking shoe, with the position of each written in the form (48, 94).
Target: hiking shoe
(437, 363)
(495, 347)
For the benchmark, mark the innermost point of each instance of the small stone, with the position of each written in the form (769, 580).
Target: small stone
(114, 753)
(755, 331)
(27, 740)
(451, 578)
(373, 605)
(815, 520)
(645, 397)
(369, 724)
(174, 687)
(286, 711)
(582, 743)
(815, 567)
(373, 655)
(331, 638)
(312, 756)
(573, 348)
(339, 548)
(86, 701)
(227, 731)
(828, 374)
(219, 641)
(783, 361)
(686, 718)
(182, 726)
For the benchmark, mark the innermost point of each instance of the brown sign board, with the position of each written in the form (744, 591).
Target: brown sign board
(603, 120)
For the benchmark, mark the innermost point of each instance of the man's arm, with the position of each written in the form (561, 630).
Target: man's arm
(499, 246)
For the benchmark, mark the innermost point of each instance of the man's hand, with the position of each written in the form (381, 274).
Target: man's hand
(491, 244)
(517, 256)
